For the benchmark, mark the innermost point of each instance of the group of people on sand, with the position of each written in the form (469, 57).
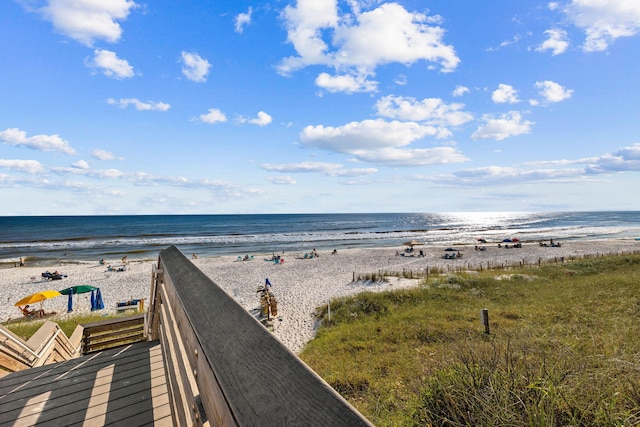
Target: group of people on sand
(551, 243)
(123, 267)
(276, 259)
(515, 245)
(56, 275)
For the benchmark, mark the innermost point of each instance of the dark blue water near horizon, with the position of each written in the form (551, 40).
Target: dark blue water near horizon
(43, 239)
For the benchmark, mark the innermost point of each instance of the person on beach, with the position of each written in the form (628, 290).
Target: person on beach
(21, 262)
(124, 259)
(194, 256)
(28, 313)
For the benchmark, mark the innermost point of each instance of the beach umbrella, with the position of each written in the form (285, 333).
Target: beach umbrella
(99, 302)
(412, 243)
(80, 289)
(450, 250)
(93, 300)
(506, 241)
(38, 297)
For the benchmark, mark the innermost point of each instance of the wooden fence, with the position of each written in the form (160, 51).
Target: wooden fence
(223, 367)
(109, 333)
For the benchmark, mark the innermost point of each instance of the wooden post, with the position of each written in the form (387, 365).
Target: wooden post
(484, 316)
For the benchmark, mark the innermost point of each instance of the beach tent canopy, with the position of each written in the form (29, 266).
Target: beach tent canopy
(412, 243)
(80, 289)
(38, 297)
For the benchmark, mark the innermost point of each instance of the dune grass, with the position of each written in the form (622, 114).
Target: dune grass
(563, 348)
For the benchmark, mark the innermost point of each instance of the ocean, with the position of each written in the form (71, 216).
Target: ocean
(49, 239)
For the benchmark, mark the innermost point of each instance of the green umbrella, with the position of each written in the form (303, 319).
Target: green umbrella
(80, 289)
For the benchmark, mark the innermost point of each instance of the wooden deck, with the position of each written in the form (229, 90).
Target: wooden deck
(120, 386)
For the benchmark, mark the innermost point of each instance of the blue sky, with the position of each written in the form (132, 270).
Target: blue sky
(127, 107)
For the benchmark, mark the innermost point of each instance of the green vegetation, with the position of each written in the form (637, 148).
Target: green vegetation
(26, 329)
(563, 349)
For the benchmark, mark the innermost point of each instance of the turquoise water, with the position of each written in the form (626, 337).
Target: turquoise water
(45, 239)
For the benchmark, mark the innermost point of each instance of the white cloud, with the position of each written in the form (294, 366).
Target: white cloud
(401, 80)
(92, 173)
(111, 65)
(140, 106)
(17, 137)
(29, 166)
(104, 155)
(430, 110)
(625, 159)
(505, 94)
(213, 116)
(506, 125)
(412, 156)
(500, 175)
(88, 20)
(552, 91)
(282, 180)
(379, 141)
(603, 21)
(328, 169)
(262, 119)
(557, 42)
(243, 19)
(80, 164)
(356, 43)
(195, 68)
(346, 83)
(460, 90)
(365, 135)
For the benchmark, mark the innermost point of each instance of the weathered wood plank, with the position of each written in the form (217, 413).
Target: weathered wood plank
(97, 343)
(263, 383)
(120, 322)
(115, 386)
(182, 387)
(71, 375)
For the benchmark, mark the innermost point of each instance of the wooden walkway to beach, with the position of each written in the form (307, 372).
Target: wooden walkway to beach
(120, 386)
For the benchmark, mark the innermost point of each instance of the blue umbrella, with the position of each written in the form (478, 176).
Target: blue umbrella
(99, 302)
(93, 300)
(70, 302)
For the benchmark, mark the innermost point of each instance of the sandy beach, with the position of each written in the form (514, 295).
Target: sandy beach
(300, 285)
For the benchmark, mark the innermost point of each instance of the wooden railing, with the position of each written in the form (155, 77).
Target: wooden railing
(48, 345)
(110, 333)
(223, 366)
